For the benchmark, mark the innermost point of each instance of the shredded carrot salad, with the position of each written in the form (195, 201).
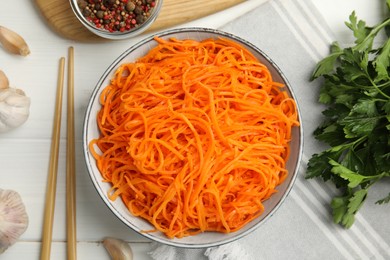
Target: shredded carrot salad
(194, 136)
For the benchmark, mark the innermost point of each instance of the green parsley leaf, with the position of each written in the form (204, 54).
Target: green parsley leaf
(325, 66)
(339, 206)
(356, 125)
(365, 107)
(386, 107)
(345, 207)
(356, 201)
(360, 31)
(336, 111)
(331, 134)
(382, 63)
(352, 160)
(318, 166)
(353, 178)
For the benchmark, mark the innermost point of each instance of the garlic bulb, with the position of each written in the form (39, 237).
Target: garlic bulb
(118, 249)
(13, 218)
(14, 106)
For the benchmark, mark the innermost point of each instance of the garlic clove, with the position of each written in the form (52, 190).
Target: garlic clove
(13, 42)
(13, 218)
(4, 83)
(118, 249)
(14, 109)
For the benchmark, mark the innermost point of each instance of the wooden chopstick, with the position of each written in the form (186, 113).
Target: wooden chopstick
(70, 164)
(53, 169)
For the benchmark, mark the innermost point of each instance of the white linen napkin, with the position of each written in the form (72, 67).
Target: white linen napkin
(295, 36)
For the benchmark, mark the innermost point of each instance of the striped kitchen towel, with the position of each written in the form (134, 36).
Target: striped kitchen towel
(295, 36)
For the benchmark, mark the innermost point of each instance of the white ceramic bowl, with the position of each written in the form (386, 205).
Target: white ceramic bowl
(206, 239)
(117, 35)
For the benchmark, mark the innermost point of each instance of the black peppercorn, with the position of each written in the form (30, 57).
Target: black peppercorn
(138, 10)
(140, 19)
(130, 6)
(87, 12)
(100, 14)
(82, 4)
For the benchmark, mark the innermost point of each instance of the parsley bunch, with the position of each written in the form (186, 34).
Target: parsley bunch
(356, 92)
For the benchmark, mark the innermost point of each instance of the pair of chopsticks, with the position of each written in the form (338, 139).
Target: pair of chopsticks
(70, 165)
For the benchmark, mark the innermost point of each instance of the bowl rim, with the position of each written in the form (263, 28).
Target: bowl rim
(116, 35)
(109, 71)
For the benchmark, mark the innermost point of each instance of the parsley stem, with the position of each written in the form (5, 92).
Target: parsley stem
(384, 85)
(378, 89)
(359, 141)
(374, 179)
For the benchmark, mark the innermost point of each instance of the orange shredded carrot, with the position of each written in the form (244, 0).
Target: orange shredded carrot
(194, 136)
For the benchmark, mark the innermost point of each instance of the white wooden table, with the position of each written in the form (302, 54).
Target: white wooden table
(24, 152)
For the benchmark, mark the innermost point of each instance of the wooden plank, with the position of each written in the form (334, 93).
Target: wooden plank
(85, 250)
(60, 17)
